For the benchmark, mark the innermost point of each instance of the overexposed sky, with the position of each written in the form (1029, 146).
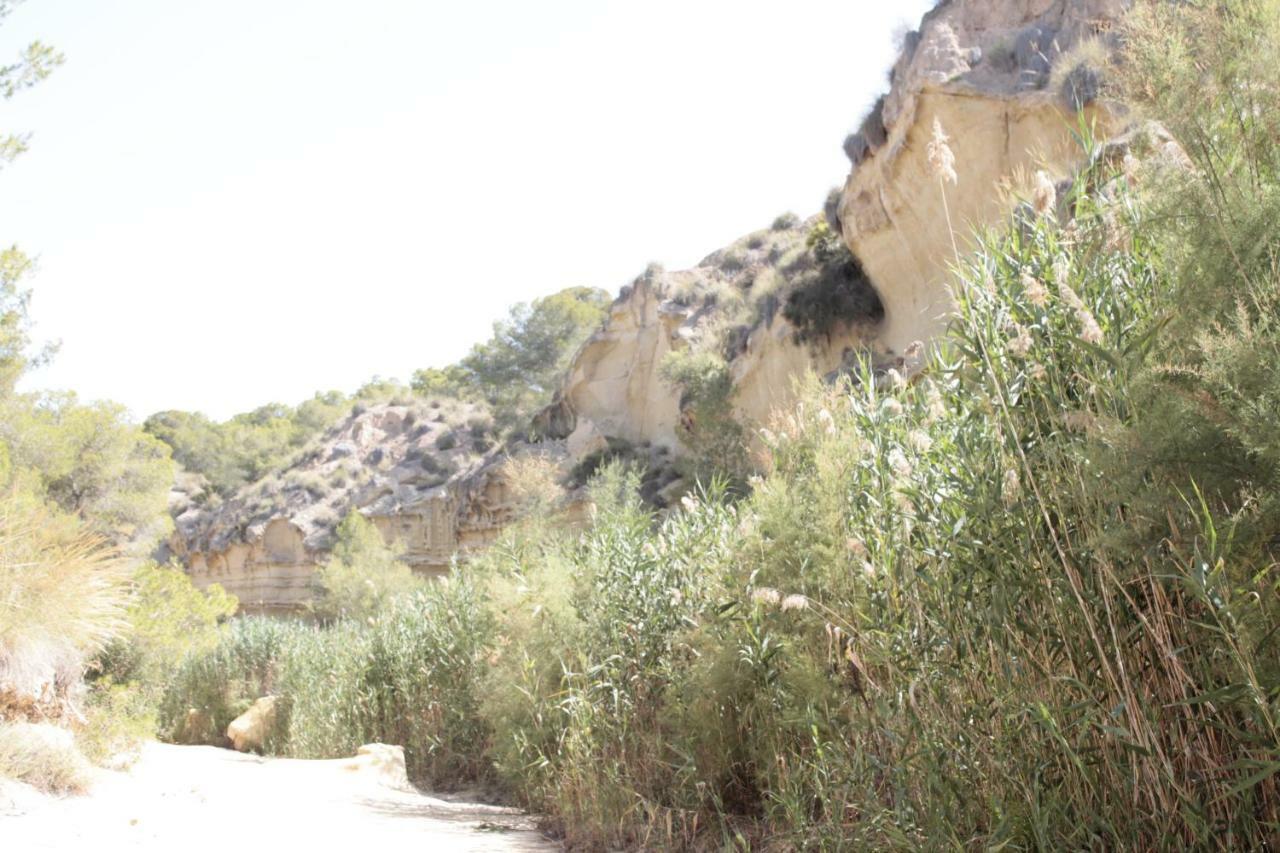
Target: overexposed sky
(247, 201)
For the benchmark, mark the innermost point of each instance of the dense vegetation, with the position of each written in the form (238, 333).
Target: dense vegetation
(1024, 599)
(518, 369)
(1027, 599)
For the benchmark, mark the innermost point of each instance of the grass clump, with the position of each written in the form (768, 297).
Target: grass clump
(62, 597)
(44, 757)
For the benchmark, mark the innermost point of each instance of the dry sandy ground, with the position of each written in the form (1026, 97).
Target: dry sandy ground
(198, 798)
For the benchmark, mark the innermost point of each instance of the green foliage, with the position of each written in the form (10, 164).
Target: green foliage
(363, 574)
(835, 292)
(116, 720)
(168, 618)
(518, 368)
(406, 676)
(247, 447)
(89, 460)
(709, 427)
(211, 688)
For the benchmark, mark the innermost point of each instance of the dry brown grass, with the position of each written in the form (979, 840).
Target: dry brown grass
(44, 757)
(62, 592)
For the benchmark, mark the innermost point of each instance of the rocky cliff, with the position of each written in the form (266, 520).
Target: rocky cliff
(425, 474)
(1010, 82)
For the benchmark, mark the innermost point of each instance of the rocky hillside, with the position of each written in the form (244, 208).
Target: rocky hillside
(1008, 82)
(415, 470)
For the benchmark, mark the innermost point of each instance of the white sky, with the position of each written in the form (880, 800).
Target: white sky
(246, 201)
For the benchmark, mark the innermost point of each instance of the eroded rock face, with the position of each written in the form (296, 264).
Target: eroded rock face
(734, 303)
(1002, 78)
(426, 475)
(1007, 80)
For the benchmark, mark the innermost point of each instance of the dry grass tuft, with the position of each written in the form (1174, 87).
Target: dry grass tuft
(62, 592)
(44, 757)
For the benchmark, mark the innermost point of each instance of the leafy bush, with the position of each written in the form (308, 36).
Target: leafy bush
(167, 617)
(714, 436)
(836, 293)
(363, 573)
(519, 367)
(785, 222)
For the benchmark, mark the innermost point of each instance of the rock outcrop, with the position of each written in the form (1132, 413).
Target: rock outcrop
(735, 303)
(1008, 81)
(426, 475)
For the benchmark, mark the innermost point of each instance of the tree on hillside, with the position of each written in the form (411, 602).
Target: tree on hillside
(248, 446)
(517, 369)
(363, 574)
(87, 460)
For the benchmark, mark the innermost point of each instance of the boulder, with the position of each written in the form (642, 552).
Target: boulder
(380, 763)
(248, 732)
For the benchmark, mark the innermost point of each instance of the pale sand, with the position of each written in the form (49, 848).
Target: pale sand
(200, 798)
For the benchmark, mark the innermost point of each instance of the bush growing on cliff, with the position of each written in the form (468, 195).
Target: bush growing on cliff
(836, 292)
(709, 427)
(519, 367)
(363, 574)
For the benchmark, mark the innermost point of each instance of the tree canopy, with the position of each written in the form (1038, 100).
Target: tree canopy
(517, 369)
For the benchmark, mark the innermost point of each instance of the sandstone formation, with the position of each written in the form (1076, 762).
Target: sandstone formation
(1008, 81)
(1004, 80)
(419, 472)
(733, 302)
(248, 732)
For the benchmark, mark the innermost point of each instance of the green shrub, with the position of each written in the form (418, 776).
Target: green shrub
(363, 574)
(785, 222)
(213, 687)
(835, 293)
(709, 427)
(407, 676)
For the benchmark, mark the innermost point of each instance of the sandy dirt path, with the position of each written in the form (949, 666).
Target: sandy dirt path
(199, 798)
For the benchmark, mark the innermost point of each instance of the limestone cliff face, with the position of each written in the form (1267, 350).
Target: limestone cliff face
(733, 303)
(1004, 80)
(427, 476)
(1007, 80)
